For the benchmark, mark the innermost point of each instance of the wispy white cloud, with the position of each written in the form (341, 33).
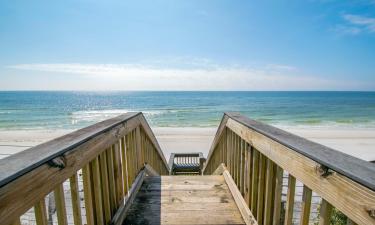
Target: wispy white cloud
(345, 29)
(356, 24)
(282, 67)
(140, 77)
(367, 23)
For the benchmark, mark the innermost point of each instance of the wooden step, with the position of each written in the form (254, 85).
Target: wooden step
(184, 200)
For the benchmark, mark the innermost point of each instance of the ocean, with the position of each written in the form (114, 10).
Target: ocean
(21, 110)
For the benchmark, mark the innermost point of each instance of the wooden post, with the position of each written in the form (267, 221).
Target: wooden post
(268, 204)
(86, 174)
(105, 187)
(277, 198)
(76, 200)
(97, 186)
(325, 213)
(290, 200)
(41, 213)
(60, 205)
(306, 205)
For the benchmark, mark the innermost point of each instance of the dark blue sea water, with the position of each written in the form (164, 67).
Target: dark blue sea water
(60, 110)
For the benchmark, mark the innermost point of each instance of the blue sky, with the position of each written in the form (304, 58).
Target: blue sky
(187, 45)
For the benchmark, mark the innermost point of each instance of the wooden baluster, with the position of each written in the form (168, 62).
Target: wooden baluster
(225, 147)
(132, 161)
(249, 174)
(97, 190)
(232, 172)
(246, 173)
(306, 205)
(237, 165)
(124, 166)
(41, 213)
(278, 194)
(87, 190)
(254, 181)
(60, 205)
(117, 172)
(128, 160)
(325, 213)
(105, 187)
(138, 148)
(76, 200)
(111, 181)
(229, 150)
(261, 185)
(268, 203)
(242, 169)
(290, 200)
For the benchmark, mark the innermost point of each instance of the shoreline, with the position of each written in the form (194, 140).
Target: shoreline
(358, 142)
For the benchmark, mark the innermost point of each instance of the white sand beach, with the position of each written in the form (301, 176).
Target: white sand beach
(356, 142)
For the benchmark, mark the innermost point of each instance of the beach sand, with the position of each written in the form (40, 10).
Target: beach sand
(356, 142)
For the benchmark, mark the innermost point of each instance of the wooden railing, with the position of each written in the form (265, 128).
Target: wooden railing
(257, 156)
(96, 166)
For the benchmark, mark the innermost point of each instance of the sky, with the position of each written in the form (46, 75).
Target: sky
(187, 45)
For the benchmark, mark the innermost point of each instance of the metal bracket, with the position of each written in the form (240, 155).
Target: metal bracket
(58, 162)
(324, 171)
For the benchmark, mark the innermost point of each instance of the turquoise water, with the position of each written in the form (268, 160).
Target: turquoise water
(70, 110)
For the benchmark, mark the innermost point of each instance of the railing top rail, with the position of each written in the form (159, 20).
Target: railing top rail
(23, 162)
(358, 170)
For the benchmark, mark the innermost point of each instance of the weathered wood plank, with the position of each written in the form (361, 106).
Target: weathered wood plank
(105, 187)
(87, 190)
(254, 182)
(244, 210)
(111, 181)
(176, 206)
(60, 205)
(278, 192)
(120, 215)
(41, 213)
(261, 188)
(290, 200)
(76, 200)
(306, 205)
(325, 213)
(97, 186)
(268, 204)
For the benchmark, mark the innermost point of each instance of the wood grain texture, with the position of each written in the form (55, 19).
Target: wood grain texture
(306, 206)
(184, 200)
(290, 200)
(60, 205)
(20, 163)
(348, 196)
(76, 200)
(41, 213)
(240, 201)
(349, 166)
(325, 213)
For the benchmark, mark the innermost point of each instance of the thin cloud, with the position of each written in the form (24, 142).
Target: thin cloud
(282, 67)
(138, 77)
(357, 24)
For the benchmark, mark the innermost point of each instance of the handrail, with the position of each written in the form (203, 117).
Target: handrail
(109, 155)
(252, 149)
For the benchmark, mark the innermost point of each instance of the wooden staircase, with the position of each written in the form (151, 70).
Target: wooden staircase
(114, 172)
(184, 200)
